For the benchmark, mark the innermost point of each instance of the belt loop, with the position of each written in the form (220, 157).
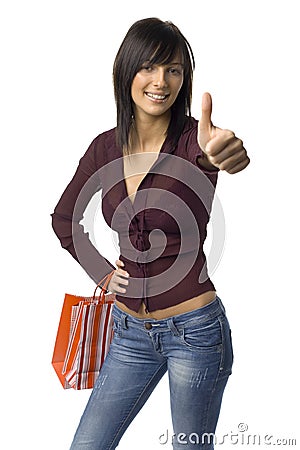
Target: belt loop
(173, 327)
(124, 321)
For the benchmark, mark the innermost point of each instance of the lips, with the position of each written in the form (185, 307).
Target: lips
(157, 97)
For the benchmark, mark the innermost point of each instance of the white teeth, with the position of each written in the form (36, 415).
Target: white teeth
(155, 96)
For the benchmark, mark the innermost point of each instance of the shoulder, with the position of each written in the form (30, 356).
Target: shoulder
(190, 125)
(105, 140)
(188, 146)
(104, 148)
(188, 136)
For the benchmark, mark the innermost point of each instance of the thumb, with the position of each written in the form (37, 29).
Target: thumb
(205, 124)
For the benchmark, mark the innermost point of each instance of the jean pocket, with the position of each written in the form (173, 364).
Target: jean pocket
(205, 336)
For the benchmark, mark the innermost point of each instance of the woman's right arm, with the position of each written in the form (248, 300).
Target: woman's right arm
(70, 209)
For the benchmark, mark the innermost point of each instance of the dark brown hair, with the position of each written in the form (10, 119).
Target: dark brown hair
(156, 42)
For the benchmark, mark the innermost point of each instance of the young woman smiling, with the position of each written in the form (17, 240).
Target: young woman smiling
(157, 170)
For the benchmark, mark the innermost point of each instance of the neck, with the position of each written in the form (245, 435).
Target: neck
(148, 134)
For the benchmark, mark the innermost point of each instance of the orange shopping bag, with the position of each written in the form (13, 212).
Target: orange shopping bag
(83, 337)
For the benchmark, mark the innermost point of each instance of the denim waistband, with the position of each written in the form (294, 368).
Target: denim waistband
(207, 312)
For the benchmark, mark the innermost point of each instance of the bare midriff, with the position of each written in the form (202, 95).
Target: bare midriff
(183, 307)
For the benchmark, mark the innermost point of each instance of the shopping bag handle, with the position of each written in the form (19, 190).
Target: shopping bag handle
(103, 287)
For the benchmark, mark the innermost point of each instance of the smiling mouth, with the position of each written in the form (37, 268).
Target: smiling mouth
(157, 97)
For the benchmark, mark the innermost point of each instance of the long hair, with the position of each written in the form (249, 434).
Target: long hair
(156, 42)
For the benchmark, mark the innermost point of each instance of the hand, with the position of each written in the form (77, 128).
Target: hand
(221, 147)
(119, 277)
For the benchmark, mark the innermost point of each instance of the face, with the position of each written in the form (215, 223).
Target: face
(155, 88)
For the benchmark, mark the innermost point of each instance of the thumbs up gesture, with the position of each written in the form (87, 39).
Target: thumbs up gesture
(221, 147)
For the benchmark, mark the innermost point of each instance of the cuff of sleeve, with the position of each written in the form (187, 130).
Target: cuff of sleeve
(198, 154)
(205, 170)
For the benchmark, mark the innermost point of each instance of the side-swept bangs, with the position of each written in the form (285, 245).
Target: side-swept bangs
(155, 42)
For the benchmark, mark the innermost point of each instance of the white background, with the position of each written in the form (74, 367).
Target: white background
(56, 96)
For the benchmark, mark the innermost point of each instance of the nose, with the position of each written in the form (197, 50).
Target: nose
(160, 78)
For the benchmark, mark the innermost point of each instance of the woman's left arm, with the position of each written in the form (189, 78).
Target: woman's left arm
(221, 148)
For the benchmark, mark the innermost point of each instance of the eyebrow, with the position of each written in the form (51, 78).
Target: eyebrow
(176, 64)
(168, 64)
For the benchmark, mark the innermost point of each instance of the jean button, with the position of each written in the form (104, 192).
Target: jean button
(148, 326)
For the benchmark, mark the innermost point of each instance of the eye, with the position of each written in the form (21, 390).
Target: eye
(175, 71)
(147, 68)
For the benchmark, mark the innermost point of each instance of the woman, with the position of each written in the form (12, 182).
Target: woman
(157, 170)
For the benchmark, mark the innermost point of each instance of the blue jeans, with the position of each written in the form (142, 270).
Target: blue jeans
(196, 350)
